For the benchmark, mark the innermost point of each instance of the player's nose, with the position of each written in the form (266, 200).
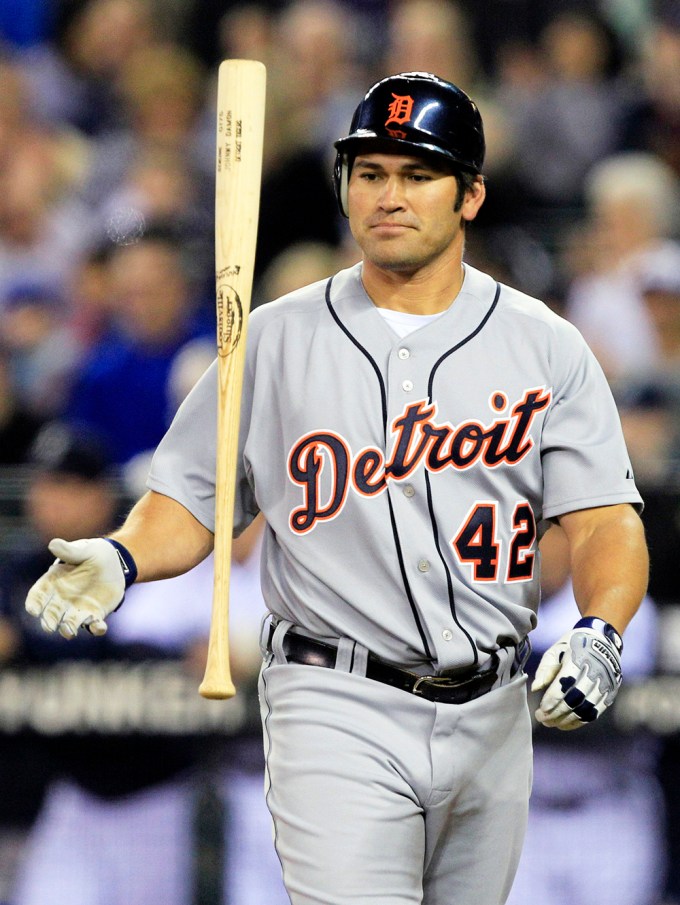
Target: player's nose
(392, 195)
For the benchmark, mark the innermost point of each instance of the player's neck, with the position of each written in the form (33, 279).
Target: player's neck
(422, 292)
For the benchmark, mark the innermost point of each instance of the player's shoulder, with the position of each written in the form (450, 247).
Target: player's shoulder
(303, 301)
(535, 313)
(515, 302)
(300, 309)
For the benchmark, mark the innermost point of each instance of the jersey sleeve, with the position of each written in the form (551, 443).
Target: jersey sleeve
(584, 455)
(183, 466)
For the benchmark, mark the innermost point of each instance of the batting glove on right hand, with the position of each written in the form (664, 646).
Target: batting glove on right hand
(82, 587)
(582, 674)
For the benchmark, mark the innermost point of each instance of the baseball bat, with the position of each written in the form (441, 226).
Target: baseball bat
(238, 173)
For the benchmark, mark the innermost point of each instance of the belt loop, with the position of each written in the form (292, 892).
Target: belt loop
(522, 655)
(345, 658)
(280, 630)
(266, 629)
(506, 657)
(360, 660)
(352, 657)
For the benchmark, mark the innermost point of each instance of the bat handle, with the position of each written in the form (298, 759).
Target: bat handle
(217, 683)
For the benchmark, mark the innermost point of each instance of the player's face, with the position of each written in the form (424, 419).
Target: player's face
(403, 211)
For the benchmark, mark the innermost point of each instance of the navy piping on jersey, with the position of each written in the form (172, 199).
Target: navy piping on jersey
(467, 339)
(393, 522)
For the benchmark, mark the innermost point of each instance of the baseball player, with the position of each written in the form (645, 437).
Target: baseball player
(410, 427)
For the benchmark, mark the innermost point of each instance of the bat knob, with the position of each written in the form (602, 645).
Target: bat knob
(216, 691)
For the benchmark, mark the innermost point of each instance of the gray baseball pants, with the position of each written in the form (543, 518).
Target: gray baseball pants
(379, 796)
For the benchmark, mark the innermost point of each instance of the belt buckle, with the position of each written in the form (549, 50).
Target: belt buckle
(437, 681)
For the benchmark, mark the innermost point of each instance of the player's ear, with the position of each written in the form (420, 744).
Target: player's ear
(474, 199)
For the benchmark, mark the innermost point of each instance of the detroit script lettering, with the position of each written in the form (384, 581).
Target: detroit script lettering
(418, 440)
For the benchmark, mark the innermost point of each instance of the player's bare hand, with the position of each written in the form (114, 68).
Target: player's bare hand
(81, 588)
(581, 674)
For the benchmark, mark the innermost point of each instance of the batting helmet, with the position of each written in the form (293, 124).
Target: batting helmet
(418, 111)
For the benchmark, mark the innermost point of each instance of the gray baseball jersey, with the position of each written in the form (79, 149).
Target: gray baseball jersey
(405, 481)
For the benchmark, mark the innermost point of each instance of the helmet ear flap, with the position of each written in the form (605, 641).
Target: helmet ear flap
(341, 179)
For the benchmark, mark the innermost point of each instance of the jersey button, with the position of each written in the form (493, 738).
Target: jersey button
(423, 565)
(404, 354)
(447, 634)
(407, 386)
(409, 490)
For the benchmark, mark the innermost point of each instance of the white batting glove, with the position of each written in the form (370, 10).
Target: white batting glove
(82, 587)
(582, 675)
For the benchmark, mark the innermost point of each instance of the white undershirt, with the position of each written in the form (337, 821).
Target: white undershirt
(403, 322)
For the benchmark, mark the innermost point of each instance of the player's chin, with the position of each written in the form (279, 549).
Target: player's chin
(394, 257)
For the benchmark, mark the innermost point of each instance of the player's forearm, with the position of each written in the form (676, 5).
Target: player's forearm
(609, 562)
(163, 537)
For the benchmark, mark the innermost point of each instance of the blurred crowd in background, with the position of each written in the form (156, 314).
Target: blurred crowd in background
(107, 319)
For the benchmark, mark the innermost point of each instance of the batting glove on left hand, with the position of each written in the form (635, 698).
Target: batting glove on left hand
(582, 675)
(82, 587)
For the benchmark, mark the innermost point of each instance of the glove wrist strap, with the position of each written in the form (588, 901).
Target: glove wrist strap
(604, 628)
(127, 563)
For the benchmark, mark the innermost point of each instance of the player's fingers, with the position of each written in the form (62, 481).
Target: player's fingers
(96, 627)
(566, 723)
(52, 614)
(557, 714)
(553, 714)
(38, 598)
(71, 552)
(548, 668)
(584, 699)
(571, 701)
(68, 627)
(553, 701)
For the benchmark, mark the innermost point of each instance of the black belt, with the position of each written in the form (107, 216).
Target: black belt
(442, 689)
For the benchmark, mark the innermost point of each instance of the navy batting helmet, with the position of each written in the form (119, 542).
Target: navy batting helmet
(418, 112)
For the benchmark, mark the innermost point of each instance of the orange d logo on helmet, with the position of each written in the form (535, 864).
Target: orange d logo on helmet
(399, 111)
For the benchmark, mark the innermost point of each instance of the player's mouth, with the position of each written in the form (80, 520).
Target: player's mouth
(389, 226)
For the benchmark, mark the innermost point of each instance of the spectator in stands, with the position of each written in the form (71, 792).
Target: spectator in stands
(90, 307)
(650, 416)
(433, 35)
(649, 399)
(652, 117)
(659, 283)
(572, 121)
(44, 227)
(74, 77)
(41, 350)
(162, 92)
(298, 265)
(121, 389)
(229, 29)
(26, 23)
(18, 424)
(159, 186)
(319, 75)
(633, 203)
